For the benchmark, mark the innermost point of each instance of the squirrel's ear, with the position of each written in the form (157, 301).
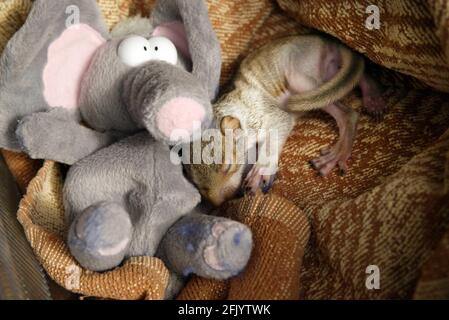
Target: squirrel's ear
(229, 123)
(43, 63)
(187, 25)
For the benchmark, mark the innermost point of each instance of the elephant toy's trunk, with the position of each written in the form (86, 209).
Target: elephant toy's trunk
(167, 101)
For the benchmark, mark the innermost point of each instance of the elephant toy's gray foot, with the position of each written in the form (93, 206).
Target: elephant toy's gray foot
(99, 237)
(228, 248)
(207, 246)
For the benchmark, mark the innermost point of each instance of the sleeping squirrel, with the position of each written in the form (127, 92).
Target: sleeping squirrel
(274, 86)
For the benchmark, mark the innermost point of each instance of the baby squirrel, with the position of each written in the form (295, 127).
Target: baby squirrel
(274, 85)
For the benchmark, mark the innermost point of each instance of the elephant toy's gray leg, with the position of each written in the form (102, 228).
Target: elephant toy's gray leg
(208, 246)
(100, 236)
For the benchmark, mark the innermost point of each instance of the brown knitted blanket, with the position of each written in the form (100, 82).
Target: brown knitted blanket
(316, 238)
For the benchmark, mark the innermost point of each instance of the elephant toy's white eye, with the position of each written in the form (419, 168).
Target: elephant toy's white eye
(163, 49)
(136, 50)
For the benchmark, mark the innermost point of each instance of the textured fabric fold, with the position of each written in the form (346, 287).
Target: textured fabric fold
(412, 38)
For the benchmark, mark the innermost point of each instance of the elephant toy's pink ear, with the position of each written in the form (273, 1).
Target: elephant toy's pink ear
(43, 63)
(67, 60)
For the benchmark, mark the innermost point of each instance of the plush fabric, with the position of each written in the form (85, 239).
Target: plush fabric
(13, 14)
(392, 209)
(125, 199)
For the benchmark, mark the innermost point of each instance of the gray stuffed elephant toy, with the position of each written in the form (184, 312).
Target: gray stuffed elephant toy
(111, 105)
